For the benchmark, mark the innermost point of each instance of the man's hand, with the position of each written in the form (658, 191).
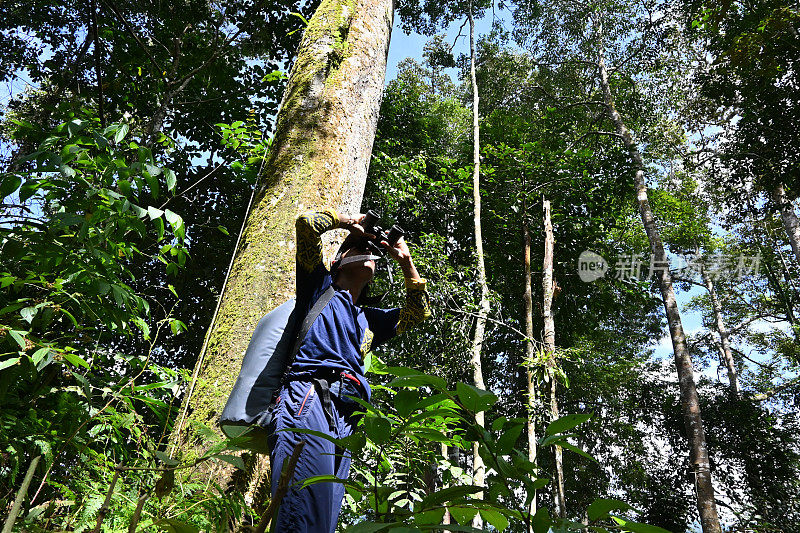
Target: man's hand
(402, 255)
(353, 225)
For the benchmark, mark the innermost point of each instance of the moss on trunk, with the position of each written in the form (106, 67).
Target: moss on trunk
(319, 156)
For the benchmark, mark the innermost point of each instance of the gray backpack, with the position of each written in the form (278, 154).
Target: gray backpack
(275, 342)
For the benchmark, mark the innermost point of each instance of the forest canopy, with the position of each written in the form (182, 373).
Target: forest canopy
(601, 195)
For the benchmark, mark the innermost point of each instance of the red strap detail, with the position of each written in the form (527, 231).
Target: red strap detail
(304, 400)
(351, 378)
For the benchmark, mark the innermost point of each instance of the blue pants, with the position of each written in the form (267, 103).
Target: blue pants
(314, 509)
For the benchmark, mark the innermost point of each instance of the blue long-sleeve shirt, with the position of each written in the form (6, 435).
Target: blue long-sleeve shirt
(343, 333)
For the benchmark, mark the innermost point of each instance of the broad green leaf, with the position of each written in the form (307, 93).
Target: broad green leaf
(74, 359)
(495, 518)
(18, 337)
(575, 449)
(600, 508)
(541, 521)
(368, 527)
(169, 175)
(8, 363)
(121, 133)
(419, 380)
(636, 527)
(154, 212)
(28, 313)
(39, 354)
(9, 184)
(405, 401)
(566, 423)
(462, 515)
(378, 429)
(232, 459)
(474, 399)
(431, 517)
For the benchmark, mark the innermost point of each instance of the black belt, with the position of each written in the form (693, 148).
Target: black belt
(324, 385)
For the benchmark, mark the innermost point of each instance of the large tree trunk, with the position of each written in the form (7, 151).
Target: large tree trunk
(690, 404)
(478, 468)
(548, 284)
(788, 217)
(531, 379)
(319, 156)
(725, 343)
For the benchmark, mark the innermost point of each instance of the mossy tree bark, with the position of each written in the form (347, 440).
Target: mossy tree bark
(319, 157)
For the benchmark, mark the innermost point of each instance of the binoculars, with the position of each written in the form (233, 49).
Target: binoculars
(373, 246)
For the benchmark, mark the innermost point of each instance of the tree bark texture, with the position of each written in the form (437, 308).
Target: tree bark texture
(722, 330)
(478, 467)
(319, 156)
(690, 404)
(548, 284)
(531, 379)
(788, 217)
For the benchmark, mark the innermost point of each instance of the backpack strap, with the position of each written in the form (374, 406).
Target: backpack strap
(312, 315)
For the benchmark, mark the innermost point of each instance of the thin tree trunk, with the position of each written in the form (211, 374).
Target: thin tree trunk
(725, 344)
(97, 68)
(788, 217)
(690, 403)
(478, 468)
(21, 493)
(319, 156)
(548, 284)
(531, 383)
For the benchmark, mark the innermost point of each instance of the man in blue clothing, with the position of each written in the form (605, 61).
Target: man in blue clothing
(329, 365)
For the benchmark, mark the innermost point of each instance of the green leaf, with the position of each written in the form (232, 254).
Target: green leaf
(28, 313)
(9, 184)
(541, 520)
(19, 337)
(405, 401)
(8, 362)
(121, 133)
(575, 449)
(74, 359)
(566, 423)
(474, 399)
(432, 517)
(419, 380)
(39, 354)
(378, 429)
(495, 518)
(232, 459)
(462, 515)
(154, 212)
(636, 527)
(223, 229)
(600, 508)
(367, 527)
(171, 180)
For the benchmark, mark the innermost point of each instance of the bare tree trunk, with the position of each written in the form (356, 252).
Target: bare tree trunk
(724, 339)
(788, 217)
(478, 468)
(319, 156)
(548, 284)
(531, 379)
(690, 404)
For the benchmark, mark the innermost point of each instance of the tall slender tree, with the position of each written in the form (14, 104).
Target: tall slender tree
(478, 467)
(690, 402)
